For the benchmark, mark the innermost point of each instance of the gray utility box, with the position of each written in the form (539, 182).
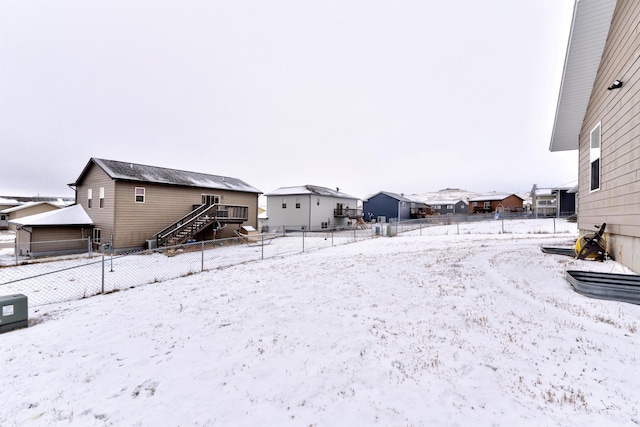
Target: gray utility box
(14, 312)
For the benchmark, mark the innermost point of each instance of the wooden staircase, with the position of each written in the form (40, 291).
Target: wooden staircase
(187, 227)
(361, 224)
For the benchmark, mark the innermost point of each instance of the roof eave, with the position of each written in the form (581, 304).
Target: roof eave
(587, 38)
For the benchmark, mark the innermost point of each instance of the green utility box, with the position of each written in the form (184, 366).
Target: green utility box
(14, 312)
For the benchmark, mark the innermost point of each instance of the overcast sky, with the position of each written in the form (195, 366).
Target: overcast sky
(403, 96)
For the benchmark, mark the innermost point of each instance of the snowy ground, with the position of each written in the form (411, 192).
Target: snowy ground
(416, 330)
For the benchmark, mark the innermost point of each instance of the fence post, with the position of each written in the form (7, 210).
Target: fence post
(262, 247)
(554, 225)
(102, 269)
(15, 249)
(202, 258)
(302, 240)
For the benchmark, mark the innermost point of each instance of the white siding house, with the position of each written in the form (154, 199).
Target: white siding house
(310, 208)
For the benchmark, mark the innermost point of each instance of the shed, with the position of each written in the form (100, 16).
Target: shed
(56, 232)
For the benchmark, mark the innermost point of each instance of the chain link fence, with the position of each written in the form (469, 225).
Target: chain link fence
(57, 279)
(63, 278)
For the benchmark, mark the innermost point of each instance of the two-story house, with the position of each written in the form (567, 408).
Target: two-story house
(133, 205)
(310, 208)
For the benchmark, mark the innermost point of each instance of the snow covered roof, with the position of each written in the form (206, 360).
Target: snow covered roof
(400, 197)
(72, 215)
(309, 189)
(491, 197)
(28, 205)
(152, 174)
(589, 30)
(5, 201)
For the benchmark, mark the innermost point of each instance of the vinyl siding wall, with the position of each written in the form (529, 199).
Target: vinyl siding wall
(52, 240)
(310, 215)
(617, 202)
(164, 204)
(103, 218)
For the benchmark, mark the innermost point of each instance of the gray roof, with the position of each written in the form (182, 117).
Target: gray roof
(152, 174)
(589, 30)
(396, 196)
(309, 189)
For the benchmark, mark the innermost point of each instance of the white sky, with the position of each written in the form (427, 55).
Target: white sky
(368, 96)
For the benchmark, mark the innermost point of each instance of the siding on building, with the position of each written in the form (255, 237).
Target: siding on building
(617, 202)
(38, 241)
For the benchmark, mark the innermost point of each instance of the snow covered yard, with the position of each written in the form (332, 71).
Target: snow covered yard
(417, 330)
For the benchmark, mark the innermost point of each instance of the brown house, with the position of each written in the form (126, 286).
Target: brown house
(597, 114)
(133, 205)
(496, 203)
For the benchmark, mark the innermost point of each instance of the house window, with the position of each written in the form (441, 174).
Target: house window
(101, 197)
(297, 203)
(140, 194)
(97, 234)
(487, 205)
(594, 157)
(284, 203)
(449, 207)
(89, 197)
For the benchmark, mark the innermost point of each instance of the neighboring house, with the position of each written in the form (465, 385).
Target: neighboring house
(385, 206)
(448, 207)
(496, 203)
(6, 203)
(566, 200)
(311, 207)
(134, 205)
(543, 202)
(597, 114)
(61, 231)
(27, 209)
(552, 202)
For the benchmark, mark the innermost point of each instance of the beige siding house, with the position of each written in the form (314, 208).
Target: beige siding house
(6, 203)
(598, 113)
(27, 209)
(135, 205)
